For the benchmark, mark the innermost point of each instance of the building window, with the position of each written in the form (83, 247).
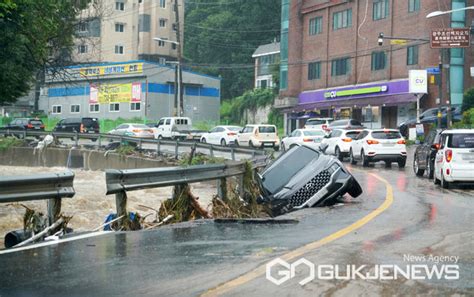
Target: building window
(340, 67)
(162, 61)
(114, 107)
(75, 108)
(163, 3)
(378, 61)
(161, 43)
(284, 79)
(119, 27)
(174, 46)
(162, 23)
(175, 27)
(412, 55)
(380, 9)
(342, 19)
(263, 84)
(57, 109)
(413, 5)
(135, 106)
(82, 49)
(119, 49)
(82, 27)
(315, 25)
(94, 108)
(314, 70)
(119, 6)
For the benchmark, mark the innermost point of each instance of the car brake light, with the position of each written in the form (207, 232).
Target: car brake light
(324, 126)
(437, 146)
(231, 134)
(401, 141)
(29, 126)
(370, 141)
(449, 155)
(136, 130)
(307, 140)
(42, 126)
(347, 139)
(82, 128)
(448, 172)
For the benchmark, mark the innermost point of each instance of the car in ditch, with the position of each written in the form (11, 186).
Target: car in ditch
(304, 177)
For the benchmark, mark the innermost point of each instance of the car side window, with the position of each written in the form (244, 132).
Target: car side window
(293, 134)
(219, 130)
(161, 122)
(442, 140)
(168, 121)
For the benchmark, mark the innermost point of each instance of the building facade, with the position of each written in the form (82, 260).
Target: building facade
(123, 30)
(332, 64)
(129, 90)
(266, 57)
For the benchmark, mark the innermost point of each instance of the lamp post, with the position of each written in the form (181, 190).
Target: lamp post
(448, 109)
(177, 90)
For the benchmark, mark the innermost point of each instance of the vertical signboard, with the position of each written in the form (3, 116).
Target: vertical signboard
(418, 82)
(136, 92)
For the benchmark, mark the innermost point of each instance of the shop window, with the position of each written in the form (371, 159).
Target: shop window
(371, 114)
(412, 55)
(378, 61)
(380, 9)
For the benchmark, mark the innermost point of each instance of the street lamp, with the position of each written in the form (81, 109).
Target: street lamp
(178, 77)
(438, 13)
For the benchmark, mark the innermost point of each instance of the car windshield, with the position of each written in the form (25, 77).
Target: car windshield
(386, 135)
(352, 134)
(313, 133)
(283, 171)
(461, 140)
(266, 129)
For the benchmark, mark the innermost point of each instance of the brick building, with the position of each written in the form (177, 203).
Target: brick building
(332, 64)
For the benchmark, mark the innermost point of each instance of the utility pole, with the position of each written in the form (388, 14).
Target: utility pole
(180, 72)
(440, 87)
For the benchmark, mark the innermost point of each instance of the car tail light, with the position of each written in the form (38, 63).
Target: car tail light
(307, 140)
(448, 172)
(324, 127)
(136, 131)
(29, 126)
(82, 128)
(231, 134)
(347, 139)
(449, 155)
(402, 141)
(42, 126)
(436, 146)
(370, 141)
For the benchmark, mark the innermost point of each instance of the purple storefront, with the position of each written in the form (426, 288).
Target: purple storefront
(376, 105)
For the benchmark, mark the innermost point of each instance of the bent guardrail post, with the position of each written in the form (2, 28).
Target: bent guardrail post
(76, 139)
(222, 188)
(52, 187)
(232, 153)
(158, 144)
(211, 151)
(99, 140)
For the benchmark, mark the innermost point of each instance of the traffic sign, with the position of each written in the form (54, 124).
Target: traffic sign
(450, 38)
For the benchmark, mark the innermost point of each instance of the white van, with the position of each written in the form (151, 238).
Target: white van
(176, 128)
(259, 136)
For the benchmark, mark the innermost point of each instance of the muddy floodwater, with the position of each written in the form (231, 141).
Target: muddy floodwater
(90, 206)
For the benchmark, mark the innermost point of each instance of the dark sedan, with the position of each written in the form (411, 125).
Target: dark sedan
(425, 154)
(26, 124)
(305, 177)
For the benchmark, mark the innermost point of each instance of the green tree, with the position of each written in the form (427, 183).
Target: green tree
(36, 34)
(468, 101)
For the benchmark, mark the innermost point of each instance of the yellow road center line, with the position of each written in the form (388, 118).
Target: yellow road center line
(259, 271)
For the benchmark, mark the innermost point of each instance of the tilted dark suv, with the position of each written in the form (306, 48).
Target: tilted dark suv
(425, 154)
(81, 125)
(304, 177)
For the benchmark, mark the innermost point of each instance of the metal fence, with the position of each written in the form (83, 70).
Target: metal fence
(158, 144)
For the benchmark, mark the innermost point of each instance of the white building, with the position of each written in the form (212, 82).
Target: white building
(265, 56)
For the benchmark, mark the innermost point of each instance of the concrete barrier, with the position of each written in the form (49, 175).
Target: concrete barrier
(75, 158)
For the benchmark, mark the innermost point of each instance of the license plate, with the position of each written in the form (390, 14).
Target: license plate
(317, 140)
(37, 128)
(467, 157)
(268, 144)
(388, 144)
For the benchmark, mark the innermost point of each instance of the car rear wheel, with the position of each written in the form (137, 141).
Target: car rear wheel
(203, 140)
(251, 144)
(338, 154)
(444, 183)
(402, 163)
(365, 161)
(416, 167)
(351, 158)
(283, 148)
(223, 143)
(435, 180)
(429, 168)
(276, 148)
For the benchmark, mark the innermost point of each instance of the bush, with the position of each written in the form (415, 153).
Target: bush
(8, 142)
(468, 101)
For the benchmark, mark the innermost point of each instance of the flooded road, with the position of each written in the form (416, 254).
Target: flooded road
(90, 206)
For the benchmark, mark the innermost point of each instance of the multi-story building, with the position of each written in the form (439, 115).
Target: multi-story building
(266, 57)
(124, 30)
(332, 64)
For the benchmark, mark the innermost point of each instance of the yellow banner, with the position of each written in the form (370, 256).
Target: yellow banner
(114, 93)
(112, 69)
(398, 42)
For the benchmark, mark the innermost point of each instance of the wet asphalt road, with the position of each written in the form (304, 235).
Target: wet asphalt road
(193, 258)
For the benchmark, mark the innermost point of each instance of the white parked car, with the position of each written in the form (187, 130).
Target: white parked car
(318, 123)
(454, 160)
(133, 130)
(307, 137)
(379, 145)
(339, 142)
(223, 135)
(176, 128)
(259, 136)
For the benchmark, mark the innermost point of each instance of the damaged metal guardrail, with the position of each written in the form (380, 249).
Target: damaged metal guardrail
(120, 181)
(52, 187)
(98, 138)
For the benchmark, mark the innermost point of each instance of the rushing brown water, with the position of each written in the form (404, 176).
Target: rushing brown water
(90, 206)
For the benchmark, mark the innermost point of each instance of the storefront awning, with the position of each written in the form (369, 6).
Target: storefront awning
(388, 100)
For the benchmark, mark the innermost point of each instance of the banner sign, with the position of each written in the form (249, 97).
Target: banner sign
(358, 91)
(115, 93)
(418, 82)
(113, 69)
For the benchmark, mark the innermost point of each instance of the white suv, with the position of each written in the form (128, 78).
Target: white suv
(379, 145)
(454, 160)
(259, 136)
(339, 142)
(318, 123)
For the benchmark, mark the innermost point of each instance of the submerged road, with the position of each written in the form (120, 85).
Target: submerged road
(398, 217)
